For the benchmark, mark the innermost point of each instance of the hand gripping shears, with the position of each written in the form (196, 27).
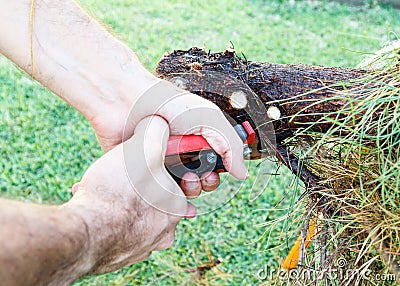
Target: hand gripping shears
(192, 153)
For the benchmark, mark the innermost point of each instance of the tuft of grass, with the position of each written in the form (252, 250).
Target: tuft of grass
(357, 207)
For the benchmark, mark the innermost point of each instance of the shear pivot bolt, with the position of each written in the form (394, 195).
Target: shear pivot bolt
(211, 157)
(247, 151)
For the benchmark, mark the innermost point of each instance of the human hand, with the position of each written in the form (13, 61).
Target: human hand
(128, 201)
(109, 132)
(187, 114)
(107, 78)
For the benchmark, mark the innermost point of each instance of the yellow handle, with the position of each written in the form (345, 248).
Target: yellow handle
(292, 259)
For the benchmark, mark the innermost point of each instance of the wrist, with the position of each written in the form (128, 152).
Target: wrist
(100, 240)
(109, 115)
(84, 64)
(121, 90)
(98, 90)
(78, 226)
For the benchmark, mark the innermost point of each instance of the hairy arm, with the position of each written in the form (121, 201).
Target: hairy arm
(105, 226)
(102, 78)
(77, 59)
(41, 244)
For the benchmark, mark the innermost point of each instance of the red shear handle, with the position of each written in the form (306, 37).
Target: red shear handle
(192, 143)
(186, 144)
(204, 158)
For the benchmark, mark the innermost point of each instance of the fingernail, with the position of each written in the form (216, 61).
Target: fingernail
(75, 188)
(210, 179)
(191, 185)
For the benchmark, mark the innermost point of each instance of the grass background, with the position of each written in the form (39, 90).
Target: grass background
(46, 146)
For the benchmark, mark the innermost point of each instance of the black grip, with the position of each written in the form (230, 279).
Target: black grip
(199, 167)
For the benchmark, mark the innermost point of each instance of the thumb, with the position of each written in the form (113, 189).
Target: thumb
(144, 157)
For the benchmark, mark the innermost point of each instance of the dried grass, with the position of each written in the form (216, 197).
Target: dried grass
(357, 207)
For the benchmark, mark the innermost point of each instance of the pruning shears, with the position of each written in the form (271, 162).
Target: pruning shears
(192, 153)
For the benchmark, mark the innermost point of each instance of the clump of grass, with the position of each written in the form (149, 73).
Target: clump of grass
(357, 203)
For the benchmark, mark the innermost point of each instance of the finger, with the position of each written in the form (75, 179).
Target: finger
(167, 237)
(144, 158)
(75, 188)
(207, 120)
(210, 181)
(190, 185)
(190, 114)
(229, 146)
(166, 241)
(191, 211)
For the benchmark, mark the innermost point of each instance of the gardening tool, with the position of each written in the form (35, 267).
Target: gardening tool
(192, 153)
(292, 259)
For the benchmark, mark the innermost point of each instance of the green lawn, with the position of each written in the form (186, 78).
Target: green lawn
(46, 146)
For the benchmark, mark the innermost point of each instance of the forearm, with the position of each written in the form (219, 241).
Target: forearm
(41, 245)
(73, 55)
